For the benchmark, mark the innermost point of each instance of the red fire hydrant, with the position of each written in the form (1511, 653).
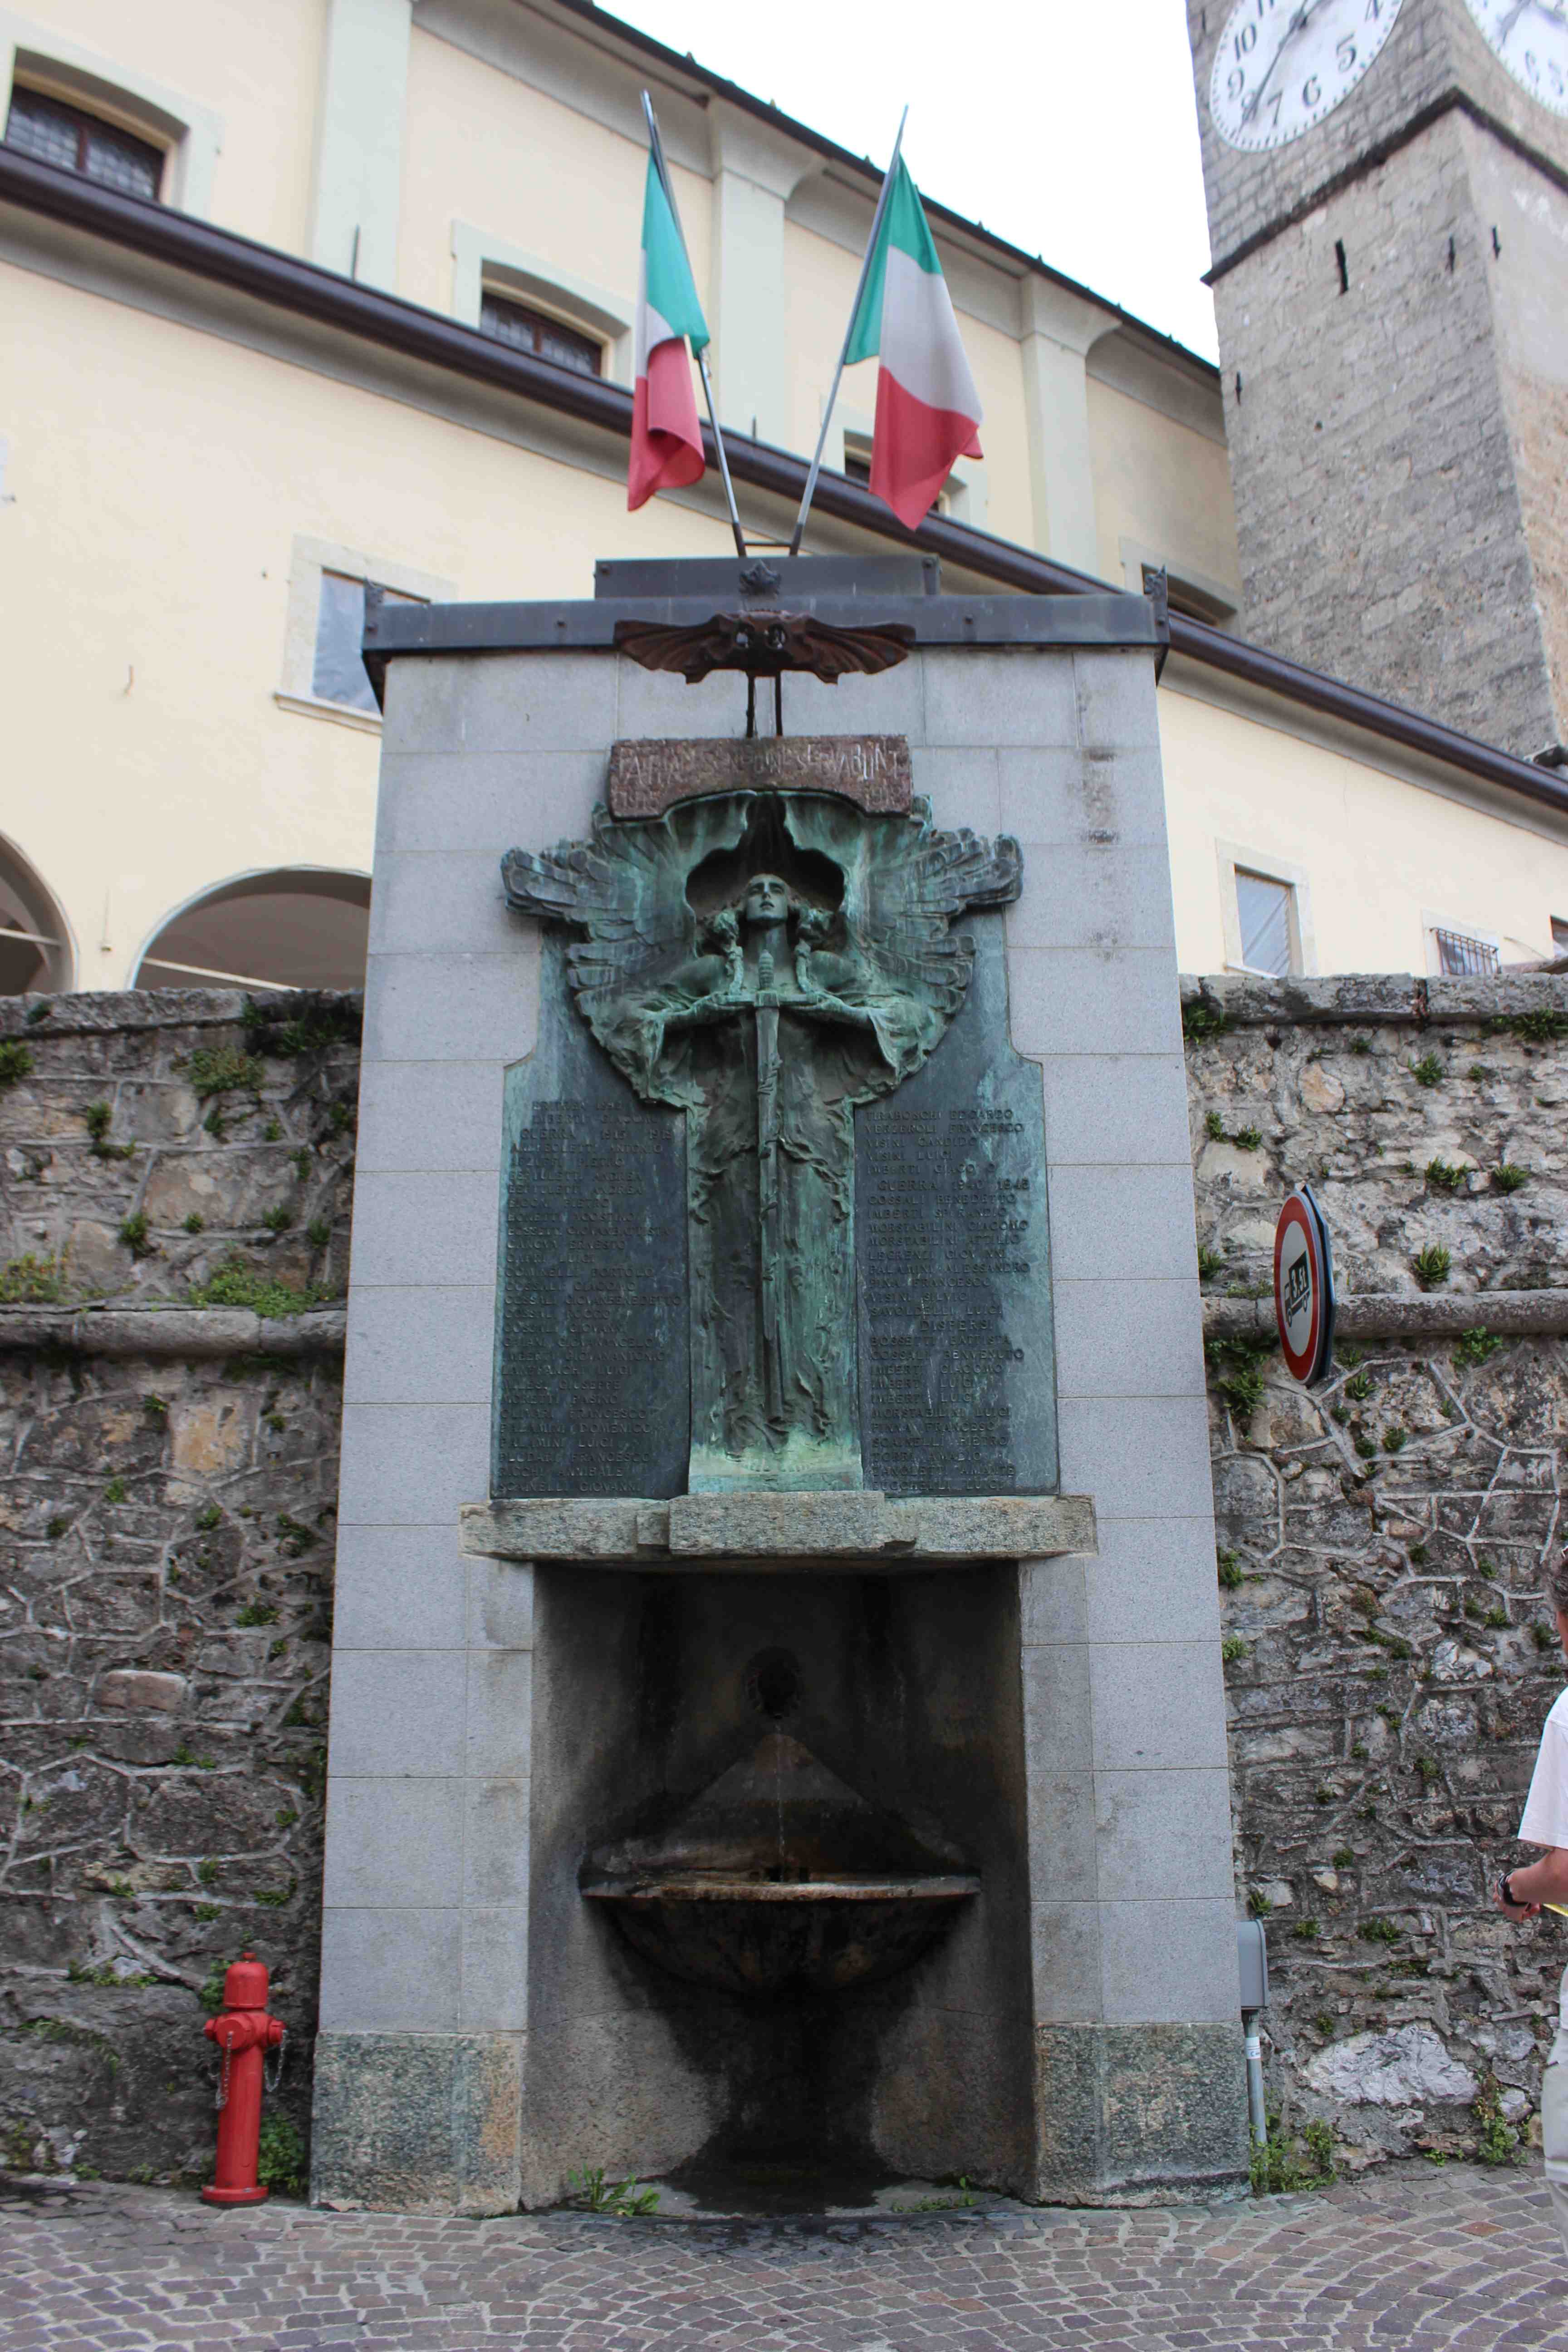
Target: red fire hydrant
(243, 2031)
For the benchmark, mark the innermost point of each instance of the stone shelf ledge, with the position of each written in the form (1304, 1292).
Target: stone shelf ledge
(107, 1011)
(762, 1531)
(191, 1333)
(1362, 999)
(1434, 1314)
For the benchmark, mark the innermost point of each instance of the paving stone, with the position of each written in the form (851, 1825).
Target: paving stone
(1404, 2259)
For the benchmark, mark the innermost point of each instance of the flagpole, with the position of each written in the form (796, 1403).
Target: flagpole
(661, 167)
(810, 490)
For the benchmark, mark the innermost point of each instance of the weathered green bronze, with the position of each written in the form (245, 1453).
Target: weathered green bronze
(764, 962)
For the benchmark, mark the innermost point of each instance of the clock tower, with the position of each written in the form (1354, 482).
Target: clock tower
(1387, 186)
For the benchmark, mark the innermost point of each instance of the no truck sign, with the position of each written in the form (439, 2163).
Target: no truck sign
(1304, 1288)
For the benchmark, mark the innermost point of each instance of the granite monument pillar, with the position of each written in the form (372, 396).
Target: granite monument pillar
(777, 1731)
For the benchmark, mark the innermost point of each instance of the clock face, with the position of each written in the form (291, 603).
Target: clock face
(1531, 37)
(1283, 64)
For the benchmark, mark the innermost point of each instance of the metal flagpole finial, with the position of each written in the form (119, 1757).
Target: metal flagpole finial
(810, 490)
(656, 146)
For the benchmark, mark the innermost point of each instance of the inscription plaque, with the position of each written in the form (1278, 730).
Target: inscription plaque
(763, 962)
(649, 776)
(953, 1276)
(593, 1385)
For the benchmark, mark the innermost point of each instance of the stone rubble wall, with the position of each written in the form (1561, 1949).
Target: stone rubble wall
(167, 1539)
(170, 1404)
(1391, 1651)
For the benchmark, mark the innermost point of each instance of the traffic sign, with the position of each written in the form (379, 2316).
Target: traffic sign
(1304, 1288)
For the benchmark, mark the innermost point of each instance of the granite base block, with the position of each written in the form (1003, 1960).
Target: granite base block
(418, 2123)
(1138, 2114)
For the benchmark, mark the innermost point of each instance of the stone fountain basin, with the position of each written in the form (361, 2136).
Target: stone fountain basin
(761, 1935)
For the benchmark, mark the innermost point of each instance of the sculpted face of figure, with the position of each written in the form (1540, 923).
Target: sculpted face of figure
(767, 901)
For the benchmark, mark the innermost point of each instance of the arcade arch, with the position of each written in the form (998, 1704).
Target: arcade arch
(35, 940)
(288, 927)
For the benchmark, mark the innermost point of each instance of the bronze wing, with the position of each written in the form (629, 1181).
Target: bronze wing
(906, 885)
(624, 889)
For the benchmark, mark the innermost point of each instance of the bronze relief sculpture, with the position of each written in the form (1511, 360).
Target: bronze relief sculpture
(763, 963)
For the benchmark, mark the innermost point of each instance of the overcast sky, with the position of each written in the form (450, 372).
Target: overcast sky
(1068, 126)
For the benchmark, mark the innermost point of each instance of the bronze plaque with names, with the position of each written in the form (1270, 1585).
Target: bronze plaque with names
(649, 776)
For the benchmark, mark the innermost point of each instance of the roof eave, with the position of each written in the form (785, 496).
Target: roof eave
(302, 287)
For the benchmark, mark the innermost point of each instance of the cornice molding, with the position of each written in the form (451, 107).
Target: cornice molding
(1453, 100)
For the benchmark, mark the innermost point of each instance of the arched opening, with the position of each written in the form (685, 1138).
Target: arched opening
(35, 945)
(294, 927)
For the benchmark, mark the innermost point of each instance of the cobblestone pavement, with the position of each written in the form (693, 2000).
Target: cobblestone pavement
(1409, 2258)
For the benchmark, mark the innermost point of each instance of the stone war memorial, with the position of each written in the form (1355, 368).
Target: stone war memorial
(773, 1313)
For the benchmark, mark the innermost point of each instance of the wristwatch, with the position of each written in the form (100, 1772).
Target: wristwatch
(1505, 1889)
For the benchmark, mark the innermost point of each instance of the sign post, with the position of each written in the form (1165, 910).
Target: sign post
(1304, 1288)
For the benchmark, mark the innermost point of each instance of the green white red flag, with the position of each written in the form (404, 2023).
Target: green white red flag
(667, 439)
(928, 411)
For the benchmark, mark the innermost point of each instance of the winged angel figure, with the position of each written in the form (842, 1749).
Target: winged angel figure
(764, 962)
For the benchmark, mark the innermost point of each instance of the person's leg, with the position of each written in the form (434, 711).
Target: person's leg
(1554, 2129)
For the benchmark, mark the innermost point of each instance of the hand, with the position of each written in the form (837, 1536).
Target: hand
(1516, 1911)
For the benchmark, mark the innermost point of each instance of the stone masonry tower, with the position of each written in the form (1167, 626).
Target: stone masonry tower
(1390, 245)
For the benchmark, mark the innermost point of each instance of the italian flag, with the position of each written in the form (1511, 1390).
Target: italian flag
(667, 439)
(928, 411)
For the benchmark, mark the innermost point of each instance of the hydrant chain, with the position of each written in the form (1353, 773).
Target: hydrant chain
(243, 2032)
(276, 2077)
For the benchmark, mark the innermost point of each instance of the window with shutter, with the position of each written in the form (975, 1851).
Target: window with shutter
(1264, 908)
(547, 339)
(339, 675)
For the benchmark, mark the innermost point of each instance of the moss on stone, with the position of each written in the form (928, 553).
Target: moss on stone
(235, 1283)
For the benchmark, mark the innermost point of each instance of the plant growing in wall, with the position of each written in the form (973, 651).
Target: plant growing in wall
(99, 1117)
(1281, 2165)
(1238, 1366)
(134, 1232)
(32, 1281)
(313, 1025)
(280, 2156)
(222, 1070)
(235, 1284)
(625, 2199)
(1534, 1028)
(1497, 2142)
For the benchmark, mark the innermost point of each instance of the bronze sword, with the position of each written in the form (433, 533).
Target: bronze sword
(767, 1016)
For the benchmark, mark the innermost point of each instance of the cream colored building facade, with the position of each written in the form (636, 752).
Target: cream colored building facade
(276, 372)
